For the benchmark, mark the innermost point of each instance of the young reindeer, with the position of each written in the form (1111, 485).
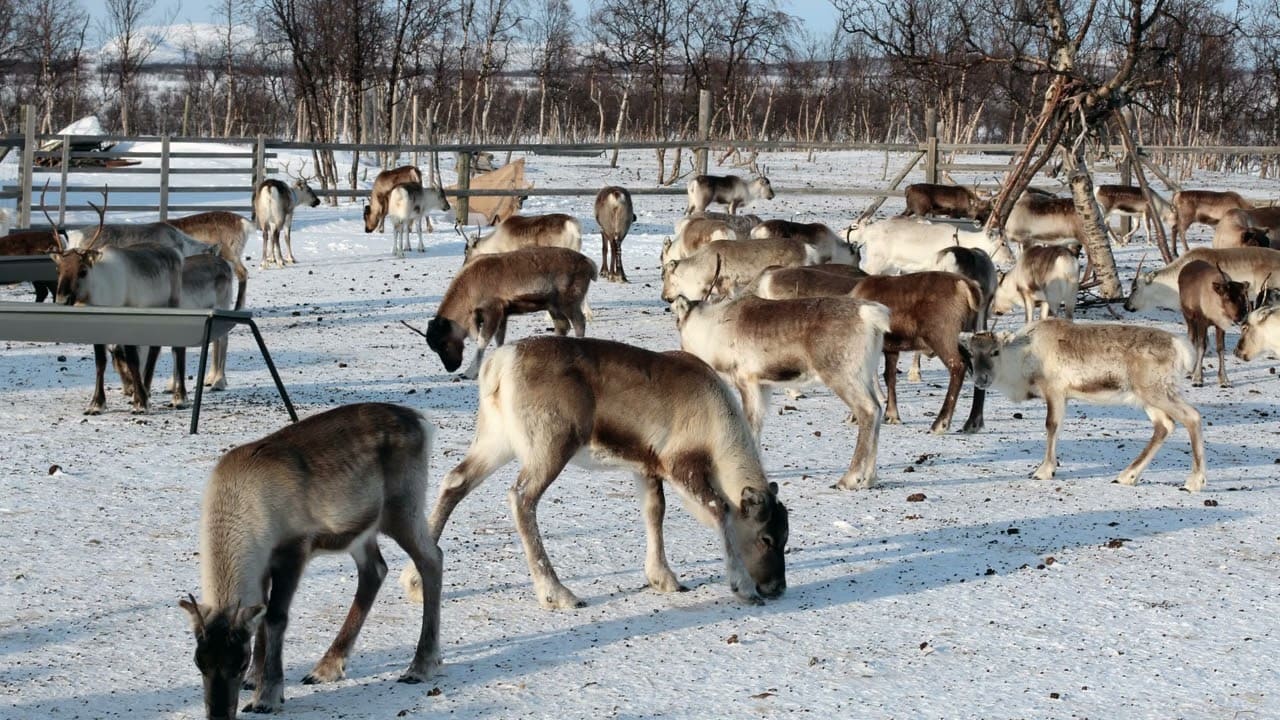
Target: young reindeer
(729, 190)
(523, 231)
(758, 343)
(1098, 362)
(330, 483)
(1045, 276)
(666, 417)
(724, 267)
(375, 213)
(694, 233)
(614, 214)
(143, 275)
(406, 204)
(1209, 297)
(273, 206)
(1260, 334)
(1128, 201)
(491, 288)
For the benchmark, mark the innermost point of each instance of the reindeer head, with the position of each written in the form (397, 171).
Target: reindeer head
(689, 277)
(984, 354)
(760, 188)
(760, 530)
(446, 338)
(1140, 288)
(222, 652)
(370, 222)
(302, 192)
(1233, 296)
(73, 270)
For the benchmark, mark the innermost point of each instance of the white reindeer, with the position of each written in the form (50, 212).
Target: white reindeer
(273, 206)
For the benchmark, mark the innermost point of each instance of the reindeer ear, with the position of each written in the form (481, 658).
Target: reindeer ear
(752, 503)
(248, 618)
(196, 612)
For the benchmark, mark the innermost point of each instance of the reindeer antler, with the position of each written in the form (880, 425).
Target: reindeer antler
(402, 322)
(53, 227)
(715, 279)
(102, 217)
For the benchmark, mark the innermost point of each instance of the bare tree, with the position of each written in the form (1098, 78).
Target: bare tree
(551, 37)
(128, 48)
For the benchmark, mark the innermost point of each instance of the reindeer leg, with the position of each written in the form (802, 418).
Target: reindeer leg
(1163, 426)
(1055, 411)
(1199, 341)
(412, 535)
(139, 388)
(1222, 363)
(619, 267)
(1184, 413)
(891, 387)
(99, 400)
(605, 268)
(218, 379)
(913, 374)
(492, 322)
(975, 421)
(370, 572)
(559, 320)
(287, 564)
(862, 402)
(755, 402)
(117, 362)
(654, 507)
(578, 318)
(533, 480)
(180, 377)
(288, 241)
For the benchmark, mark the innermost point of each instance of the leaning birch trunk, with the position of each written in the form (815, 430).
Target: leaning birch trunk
(617, 130)
(1095, 236)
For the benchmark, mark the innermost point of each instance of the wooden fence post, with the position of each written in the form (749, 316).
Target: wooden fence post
(29, 143)
(464, 183)
(164, 178)
(1126, 178)
(704, 129)
(62, 182)
(931, 146)
(259, 160)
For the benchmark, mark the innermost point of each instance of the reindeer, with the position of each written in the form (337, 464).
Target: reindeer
(724, 267)
(523, 231)
(1159, 289)
(925, 199)
(330, 483)
(491, 288)
(406, 204)
(666, 417)
(729, 190)
(226, 231)
(829, 246)
(1243, 228)
(33, 242)
(741, 224)
(1260, 334)
(1045, 276)
(757, 343)
(908, 245)
(787, 283)
(1209, 297)
(1039, 219)
(1098, 362)
(143, 275)
(614, 214)
(1129, 201)
(694, 233)
(273, 206)
(375, 213)
(1201, 206)
(927, 311)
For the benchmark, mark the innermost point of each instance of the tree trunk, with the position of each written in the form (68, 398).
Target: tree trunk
(1096, 243)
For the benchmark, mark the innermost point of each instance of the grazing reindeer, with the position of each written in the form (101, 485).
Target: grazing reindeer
(491, 288)
(549, 401)
(1241, 228)
(758, 343)
(1039, 219)
(694, 233)
(329, 483)
(1201, 206)
(375, 213)
(273, 206)
(523, 231)
(788, 283)
(615, 214)
(927, 311)
(729, 190)
(925, 199)
(144, 275)
(725, 266)
(1128, 201)
(1209, 297)
(1098, 362)
(226, 231)
(1045, 276)
(829, 246)
(1260, 334)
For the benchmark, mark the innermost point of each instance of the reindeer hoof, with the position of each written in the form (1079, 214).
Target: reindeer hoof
(415, 675)
(971, 428)
(93, 410)
(324, 672)
(560, 599)
(855, 482)
(260, 707)
(895, 420)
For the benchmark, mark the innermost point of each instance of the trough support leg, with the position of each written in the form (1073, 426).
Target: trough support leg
(204, 358)
(262, 346)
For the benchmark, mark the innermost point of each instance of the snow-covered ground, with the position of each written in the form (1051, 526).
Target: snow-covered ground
(996, 596)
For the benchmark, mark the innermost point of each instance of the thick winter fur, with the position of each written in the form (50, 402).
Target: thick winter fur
(666, 417)
(829, 246)
(1159, 289)
(1044, 220)
(615, 214)
(491, 288)
(724, 267)
(226, 231)
(694, 233)
(927, 312)
(742, 224)
(124, 235)
(1247, 228)
(925, 199)
(975, 264)
(142, 276)
(731, 190)
(273, 206)
(1045, 276)
(523, 231)
(901, 244)
(788, 283)
(375, 214)
(1260, 334)
(1201, 206)
(757, 344)
(1059, 360)
(330, 483)
(1210, 298)
(33, 242)
(1129, 201)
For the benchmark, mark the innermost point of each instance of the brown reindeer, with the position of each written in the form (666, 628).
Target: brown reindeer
(933, 199)
(226, 231)
(1210, 298)
(777, 282)
(615, 214)
(375, 213)
(1202, 206)
(33, 242)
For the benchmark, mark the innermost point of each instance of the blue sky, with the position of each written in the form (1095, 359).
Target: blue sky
(818, 15)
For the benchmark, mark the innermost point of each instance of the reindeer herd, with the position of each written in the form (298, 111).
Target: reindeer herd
(757, 305)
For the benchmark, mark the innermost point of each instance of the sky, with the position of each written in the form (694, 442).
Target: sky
(817, 15)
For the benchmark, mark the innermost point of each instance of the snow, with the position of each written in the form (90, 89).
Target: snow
(995, 596)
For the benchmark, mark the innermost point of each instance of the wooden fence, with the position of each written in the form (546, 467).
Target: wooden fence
(939, 160)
